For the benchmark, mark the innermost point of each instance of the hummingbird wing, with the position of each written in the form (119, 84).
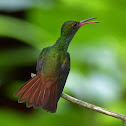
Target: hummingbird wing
(63, 74)
(41, 60)
(40, 91)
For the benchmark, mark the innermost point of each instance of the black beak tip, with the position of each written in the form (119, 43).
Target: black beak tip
(96, 17)
(97, 21)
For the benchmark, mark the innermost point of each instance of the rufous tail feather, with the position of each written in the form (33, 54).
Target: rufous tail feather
(39, 92)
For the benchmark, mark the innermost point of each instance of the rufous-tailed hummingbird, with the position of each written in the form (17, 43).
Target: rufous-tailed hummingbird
(53, 66)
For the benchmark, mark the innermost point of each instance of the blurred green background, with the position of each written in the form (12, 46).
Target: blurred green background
(98, 59)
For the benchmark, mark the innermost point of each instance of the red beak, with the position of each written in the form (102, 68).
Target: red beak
(83, 22)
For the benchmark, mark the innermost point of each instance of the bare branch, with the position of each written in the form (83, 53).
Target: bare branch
(91, 106)
(94, 107)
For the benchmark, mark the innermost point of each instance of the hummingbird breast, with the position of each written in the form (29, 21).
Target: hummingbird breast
(52, 63)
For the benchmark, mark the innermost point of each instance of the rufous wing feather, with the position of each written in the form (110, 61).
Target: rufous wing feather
(40, 92)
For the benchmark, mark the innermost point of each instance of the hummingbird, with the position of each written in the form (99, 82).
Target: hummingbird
(53, 66)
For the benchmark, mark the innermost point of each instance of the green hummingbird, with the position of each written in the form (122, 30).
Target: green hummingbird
(53, 66)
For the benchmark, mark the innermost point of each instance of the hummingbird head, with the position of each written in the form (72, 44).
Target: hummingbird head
(71, 27)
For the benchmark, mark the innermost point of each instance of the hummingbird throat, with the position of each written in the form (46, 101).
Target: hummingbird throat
(64, 41)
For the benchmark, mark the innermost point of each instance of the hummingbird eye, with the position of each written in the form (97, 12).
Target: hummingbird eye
(75, 24)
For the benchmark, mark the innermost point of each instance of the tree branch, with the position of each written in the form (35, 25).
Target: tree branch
(94, 107)
(91, 106)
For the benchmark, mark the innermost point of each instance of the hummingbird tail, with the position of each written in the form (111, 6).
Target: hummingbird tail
(40, 92)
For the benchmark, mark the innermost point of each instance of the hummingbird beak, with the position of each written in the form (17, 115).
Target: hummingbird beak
(83, 22)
